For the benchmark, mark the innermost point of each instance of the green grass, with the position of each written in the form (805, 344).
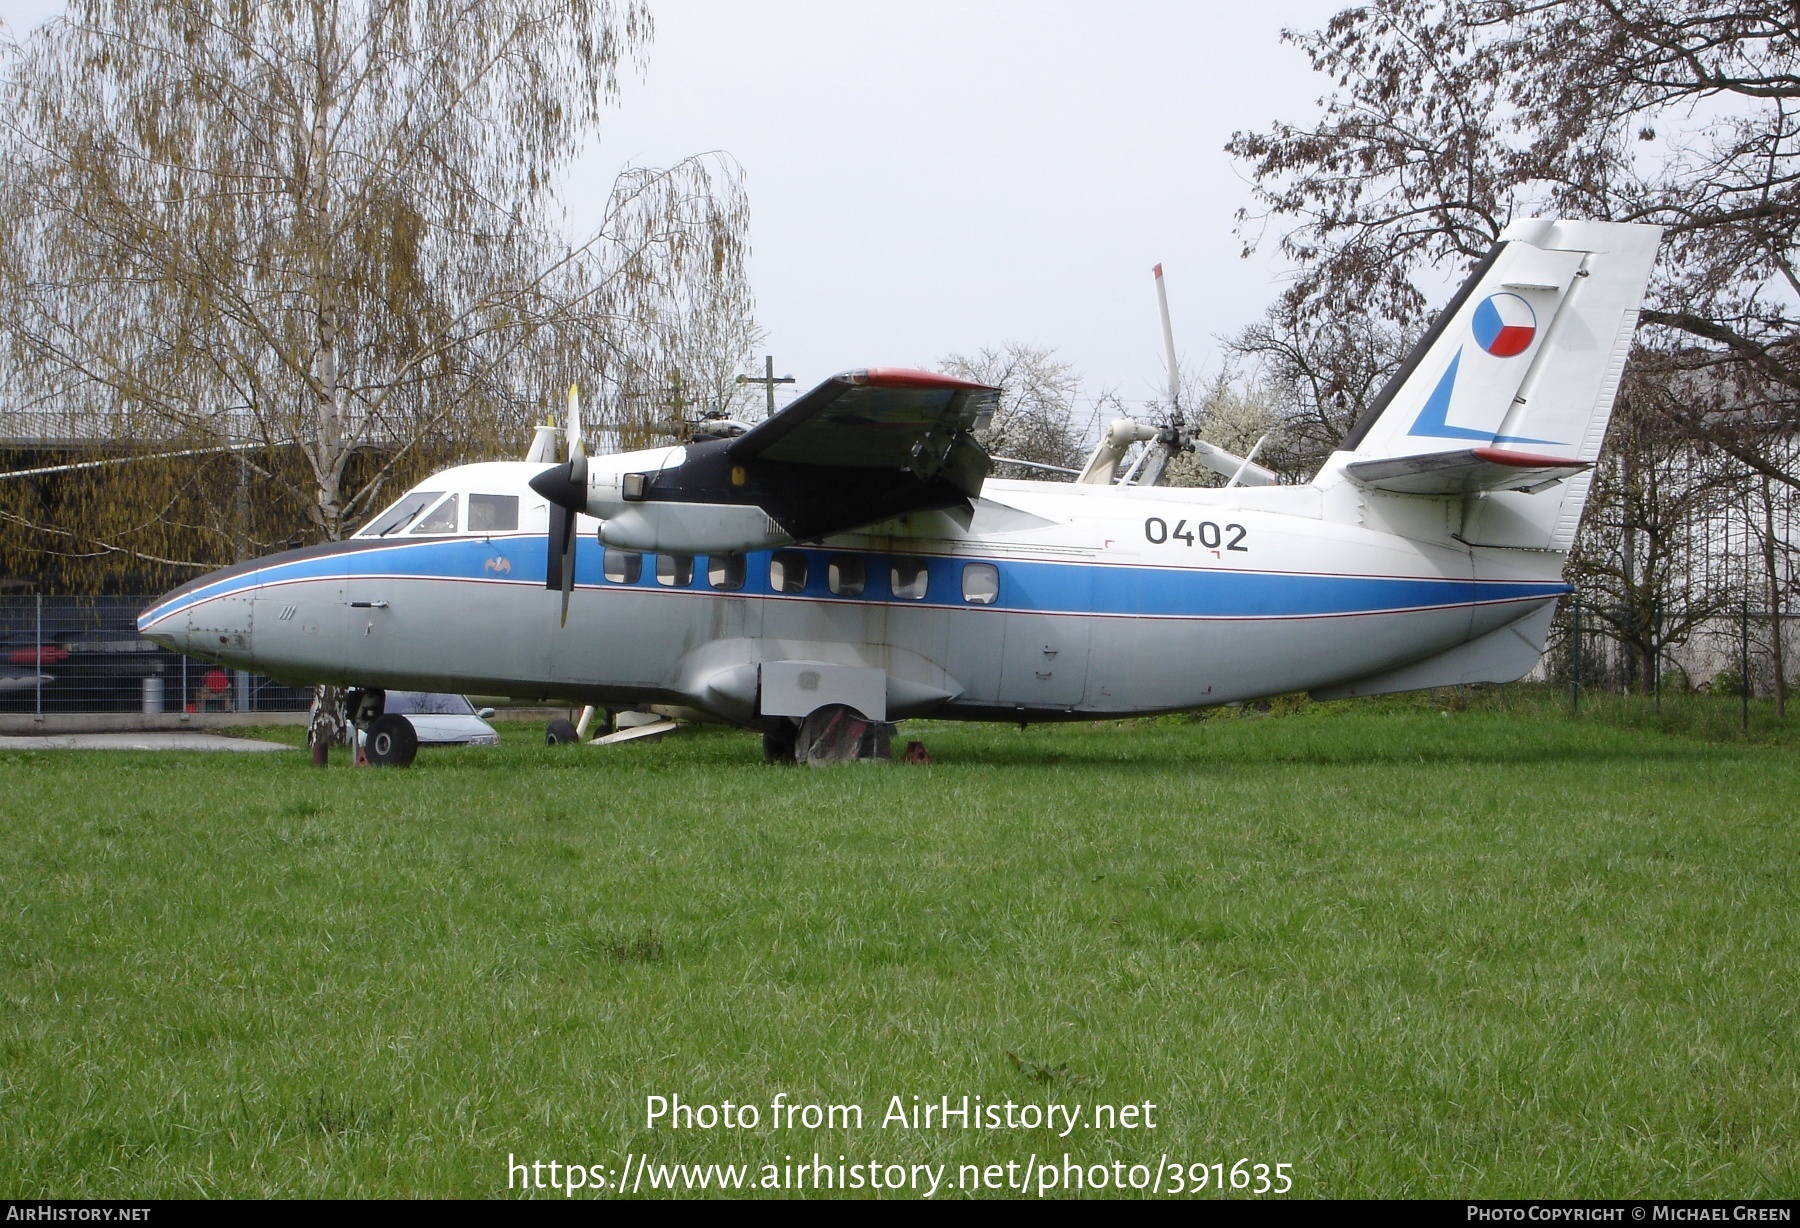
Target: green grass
(1494, 952)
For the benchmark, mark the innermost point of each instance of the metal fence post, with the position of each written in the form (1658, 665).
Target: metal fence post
(1744, 664)
(1575, 660)
(37, 644)
(1656, 654)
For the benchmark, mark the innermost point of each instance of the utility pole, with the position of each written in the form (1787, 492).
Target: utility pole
(768, 380)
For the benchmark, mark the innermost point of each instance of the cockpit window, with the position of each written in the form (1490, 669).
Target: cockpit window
(441, 519)
(401, 513)
(493, 513)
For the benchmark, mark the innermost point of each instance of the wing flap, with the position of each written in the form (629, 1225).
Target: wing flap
(1463, 472)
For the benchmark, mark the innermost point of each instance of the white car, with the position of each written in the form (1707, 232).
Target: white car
(443, 720)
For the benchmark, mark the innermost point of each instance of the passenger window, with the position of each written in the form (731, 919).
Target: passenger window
(441, 519)
(674, 570)
(981, 583)
(398, 516)
(787, 571)
(624, 566)
(725, 572)
(493, 513)
(845, 575)
(908, 578)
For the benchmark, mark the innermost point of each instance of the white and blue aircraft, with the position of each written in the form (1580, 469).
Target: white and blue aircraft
(847, 562)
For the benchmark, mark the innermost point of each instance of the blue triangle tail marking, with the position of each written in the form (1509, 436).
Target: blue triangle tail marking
(1431, 419)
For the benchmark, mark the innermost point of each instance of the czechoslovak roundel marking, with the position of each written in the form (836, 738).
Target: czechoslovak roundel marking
(1504, 325)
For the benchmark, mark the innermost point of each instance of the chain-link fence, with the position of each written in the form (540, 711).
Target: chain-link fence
(1744, 651)
(84, 655)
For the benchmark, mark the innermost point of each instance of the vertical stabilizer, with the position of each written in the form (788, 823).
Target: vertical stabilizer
(1521, 368)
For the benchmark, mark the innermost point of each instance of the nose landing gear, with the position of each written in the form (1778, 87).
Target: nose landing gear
(392, 741)
(384, 740)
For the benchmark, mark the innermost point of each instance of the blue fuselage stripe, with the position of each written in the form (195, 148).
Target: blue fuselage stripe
(1035, 586)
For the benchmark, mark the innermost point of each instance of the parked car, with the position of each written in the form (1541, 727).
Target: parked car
(76, 669)
(443, 720)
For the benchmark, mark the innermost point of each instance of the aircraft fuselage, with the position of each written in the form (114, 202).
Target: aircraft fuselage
(1056, 601)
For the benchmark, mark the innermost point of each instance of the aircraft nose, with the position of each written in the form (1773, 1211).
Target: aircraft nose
(165, 625)
(208, 617)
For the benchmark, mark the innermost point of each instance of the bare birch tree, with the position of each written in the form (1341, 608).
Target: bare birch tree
(330, 228)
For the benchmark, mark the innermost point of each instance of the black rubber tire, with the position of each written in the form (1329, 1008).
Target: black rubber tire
(392, 742)
(560, 733)
(778, 743)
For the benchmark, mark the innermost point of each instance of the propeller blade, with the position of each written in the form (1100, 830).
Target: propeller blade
(1168, 332)
(565, 487)
(567, 565)
(561, 524)
(576, 447)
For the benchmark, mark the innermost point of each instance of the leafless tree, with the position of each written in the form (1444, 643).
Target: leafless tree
(1451, 117)
(1322, 374)
(1652, 496)
(1036, 420)
(329, 228)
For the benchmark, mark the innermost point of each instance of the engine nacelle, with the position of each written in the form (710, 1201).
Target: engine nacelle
(689, 528)
(629, 521)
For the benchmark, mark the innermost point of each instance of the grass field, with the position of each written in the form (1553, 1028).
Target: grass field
(1405, 949)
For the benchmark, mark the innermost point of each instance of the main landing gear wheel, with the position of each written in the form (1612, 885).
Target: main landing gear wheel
(840, 734)
(392, 742)
(560, 733)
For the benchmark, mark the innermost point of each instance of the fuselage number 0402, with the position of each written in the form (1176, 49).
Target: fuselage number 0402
(1205, 532)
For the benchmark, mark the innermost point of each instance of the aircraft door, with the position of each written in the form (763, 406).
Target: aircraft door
(1045, 661)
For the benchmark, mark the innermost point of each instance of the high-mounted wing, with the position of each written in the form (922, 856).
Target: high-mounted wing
(886, 418)
(866, 446)
(861, 448)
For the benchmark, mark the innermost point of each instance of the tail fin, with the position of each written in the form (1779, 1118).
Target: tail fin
(1507, 397)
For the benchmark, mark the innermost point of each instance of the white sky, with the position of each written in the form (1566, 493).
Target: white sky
(933, 177)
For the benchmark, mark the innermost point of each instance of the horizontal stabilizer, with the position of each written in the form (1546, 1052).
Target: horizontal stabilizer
(1463, 472)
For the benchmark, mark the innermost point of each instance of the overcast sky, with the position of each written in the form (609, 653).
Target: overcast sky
(928, 178)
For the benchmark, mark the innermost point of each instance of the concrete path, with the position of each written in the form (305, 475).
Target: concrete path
(146, 740)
